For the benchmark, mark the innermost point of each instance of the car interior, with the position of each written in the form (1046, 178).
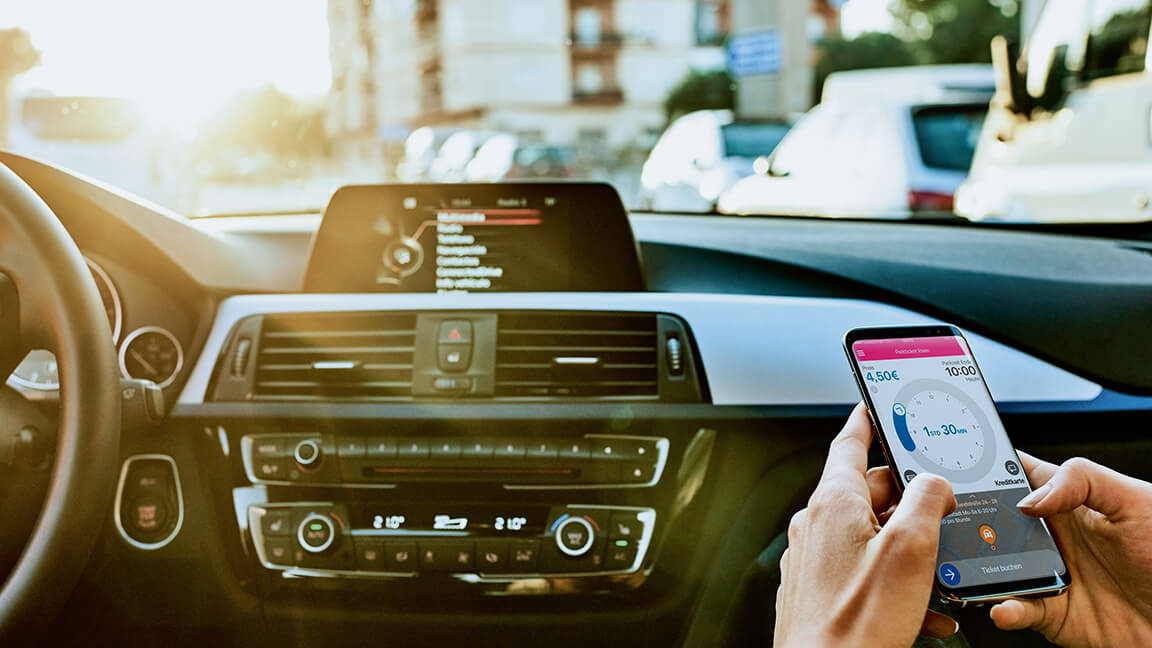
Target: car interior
(597, 452)
(517, 412)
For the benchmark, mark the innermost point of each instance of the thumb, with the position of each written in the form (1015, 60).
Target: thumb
(1080, 482)
(926, 500)
(1018, 614)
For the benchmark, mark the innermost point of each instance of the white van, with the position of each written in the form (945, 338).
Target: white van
(882, 143)
(1069, 135)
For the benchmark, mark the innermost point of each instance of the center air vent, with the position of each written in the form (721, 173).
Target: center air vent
(577, 354)
(323, 356)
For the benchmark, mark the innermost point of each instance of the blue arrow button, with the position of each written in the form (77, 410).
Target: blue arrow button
(949, 574)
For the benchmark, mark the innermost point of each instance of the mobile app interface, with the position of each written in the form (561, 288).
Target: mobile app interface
(936, 415)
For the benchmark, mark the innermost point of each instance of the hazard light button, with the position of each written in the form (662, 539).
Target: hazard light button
(456, 331)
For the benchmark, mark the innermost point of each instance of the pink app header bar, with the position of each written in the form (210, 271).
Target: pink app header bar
(924, 347)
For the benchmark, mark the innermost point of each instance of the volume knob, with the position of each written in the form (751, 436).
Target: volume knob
(308, 453)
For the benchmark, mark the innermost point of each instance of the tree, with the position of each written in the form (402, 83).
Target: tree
(869, 50)
(17, 56)
(698, 90)
(956, 31)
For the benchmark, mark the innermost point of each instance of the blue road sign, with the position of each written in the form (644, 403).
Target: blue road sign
(754, 53)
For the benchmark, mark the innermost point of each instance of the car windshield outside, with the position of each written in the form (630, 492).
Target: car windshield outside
(973, 109)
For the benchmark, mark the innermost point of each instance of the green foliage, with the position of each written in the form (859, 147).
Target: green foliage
(266, 121)
(711, 90)
(869, 50)
(955, 31)
(17, 55)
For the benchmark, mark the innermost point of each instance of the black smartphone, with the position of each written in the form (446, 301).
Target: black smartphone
(932, 412)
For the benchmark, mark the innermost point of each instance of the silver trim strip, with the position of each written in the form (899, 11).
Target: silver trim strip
(663, 447)
(152, 329)
(754, 350)
(149, 546)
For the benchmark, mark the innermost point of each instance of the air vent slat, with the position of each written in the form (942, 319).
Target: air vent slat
(330, 356)
(574, 354)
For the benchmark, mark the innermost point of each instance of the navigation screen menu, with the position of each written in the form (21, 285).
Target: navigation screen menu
(474, 238)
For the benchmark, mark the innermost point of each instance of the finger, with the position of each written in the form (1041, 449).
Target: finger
(880, 488)
(924, 504)
(848, 454)
(1080, 482)
(1018, 614)
(939, 626)
(1038, 470)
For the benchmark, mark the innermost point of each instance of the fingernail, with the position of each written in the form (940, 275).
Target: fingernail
(956, 626)
(1035, 497)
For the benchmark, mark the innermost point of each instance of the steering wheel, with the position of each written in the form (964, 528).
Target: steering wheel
(49, 301)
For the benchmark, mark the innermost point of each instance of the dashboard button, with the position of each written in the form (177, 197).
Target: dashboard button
(444, 449)
(268, 448)
(523, 556)
(277, 523)
(476, 449)
(491, 556)
(542, 449)
(625, 526)
(412, 449)
(446, 555)
(351, 447)
(508, 448)
(400, 556)
(453, 356)
(308, 454)
(316, 533)
(455, 331)
(278, 551)
(369, 555)
(270, 469)
(574, 536)
(608, 449)
(620, 555)
(452, 384)
(380, 448)
(579, 449)
(638, 473)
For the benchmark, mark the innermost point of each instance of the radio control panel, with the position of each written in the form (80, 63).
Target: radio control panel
(322, 459)
(484, 541)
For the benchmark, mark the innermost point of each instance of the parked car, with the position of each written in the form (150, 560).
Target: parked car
(420, 150)
(503, 157)
(1068, 139)
(701, 155)
(454, 155)
(896, 143)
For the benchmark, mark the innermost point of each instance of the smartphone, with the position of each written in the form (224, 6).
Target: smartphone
(932, 412)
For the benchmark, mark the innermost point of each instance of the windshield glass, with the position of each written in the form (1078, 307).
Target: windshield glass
(267, 106)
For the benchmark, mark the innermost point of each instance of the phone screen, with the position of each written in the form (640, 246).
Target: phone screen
(930, 402)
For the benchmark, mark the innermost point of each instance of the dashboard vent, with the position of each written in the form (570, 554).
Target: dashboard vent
(324, 356)
(577, 355)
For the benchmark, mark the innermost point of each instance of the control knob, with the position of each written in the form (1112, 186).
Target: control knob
(574, 537)
(316, 533)
(308, 454)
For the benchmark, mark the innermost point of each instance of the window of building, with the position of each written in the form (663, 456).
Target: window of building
(589, 26)
(589, 78)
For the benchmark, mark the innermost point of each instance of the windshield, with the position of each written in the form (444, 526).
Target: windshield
(267, 106)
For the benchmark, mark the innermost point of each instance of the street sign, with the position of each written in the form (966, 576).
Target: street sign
(754, 53)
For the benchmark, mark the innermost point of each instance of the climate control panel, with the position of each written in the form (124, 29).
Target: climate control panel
(487, 542)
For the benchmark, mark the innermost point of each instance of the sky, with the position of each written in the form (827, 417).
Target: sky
(204, 51)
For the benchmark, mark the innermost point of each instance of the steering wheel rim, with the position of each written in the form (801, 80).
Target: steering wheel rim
(57, 307)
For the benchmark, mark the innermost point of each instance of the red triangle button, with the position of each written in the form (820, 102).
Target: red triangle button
(454, 335)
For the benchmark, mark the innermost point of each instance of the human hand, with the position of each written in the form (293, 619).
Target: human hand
(1102, 521)
(845, 578)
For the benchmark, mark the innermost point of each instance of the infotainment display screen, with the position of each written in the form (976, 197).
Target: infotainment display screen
(460, 238)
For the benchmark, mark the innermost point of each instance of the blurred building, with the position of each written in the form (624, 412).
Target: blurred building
(592, 74)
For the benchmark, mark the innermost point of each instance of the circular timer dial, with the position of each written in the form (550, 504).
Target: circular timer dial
(944, 430)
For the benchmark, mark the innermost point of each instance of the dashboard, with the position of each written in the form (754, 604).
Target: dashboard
(517, 410)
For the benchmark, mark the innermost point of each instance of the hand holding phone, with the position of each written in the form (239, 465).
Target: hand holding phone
(933, 413)
(837, 546)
